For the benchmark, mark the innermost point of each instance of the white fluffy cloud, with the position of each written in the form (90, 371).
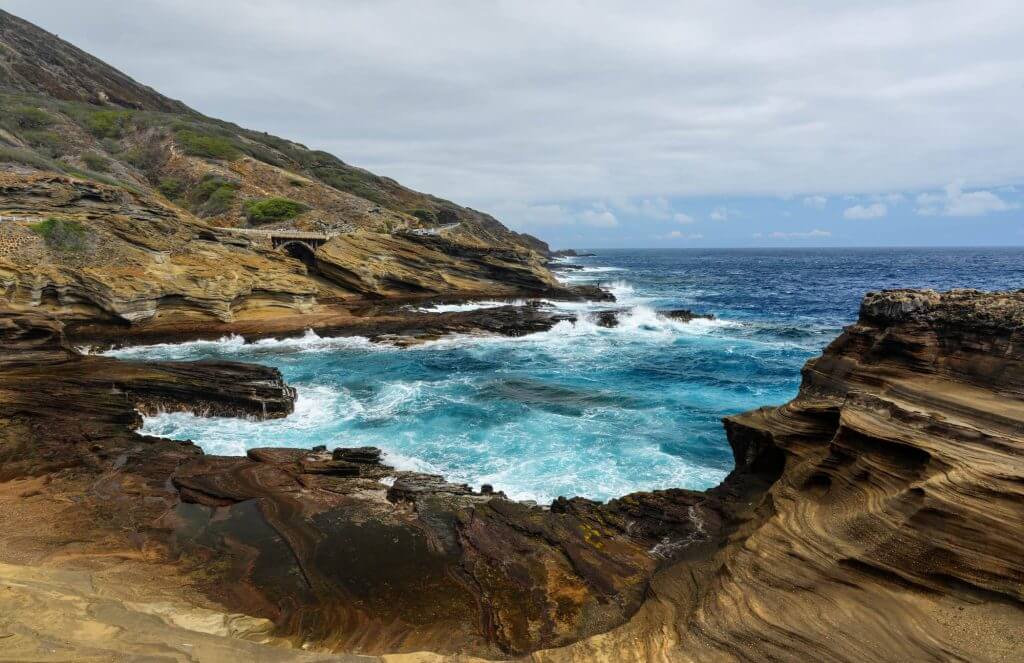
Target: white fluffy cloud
(677, 234)
(657, 208)
(487, 102)
(954, 201)
(778, 234)
(683, 218)
(598, 216)
(723, 213)
(816, 202)
(872, 211)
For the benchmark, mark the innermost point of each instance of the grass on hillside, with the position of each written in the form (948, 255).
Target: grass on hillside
(29, 117)
(107, 123)
(64, 236)
(212, 196)
(137, 138)
(272, 210)
(207, 145)
(96, 162)
(27, 158)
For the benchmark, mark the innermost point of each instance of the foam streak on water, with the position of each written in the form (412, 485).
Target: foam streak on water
(581, 409)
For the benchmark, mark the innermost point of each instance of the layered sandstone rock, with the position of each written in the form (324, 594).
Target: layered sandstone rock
(136, 259)
(878, 516)
(382, 265)
(140, 263)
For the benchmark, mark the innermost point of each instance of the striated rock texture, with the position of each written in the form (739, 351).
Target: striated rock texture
(402, 265)
(140, 262)
(895, 527)
(143, 188)
(878, 516)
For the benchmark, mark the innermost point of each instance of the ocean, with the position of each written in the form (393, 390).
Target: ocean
(581, 409)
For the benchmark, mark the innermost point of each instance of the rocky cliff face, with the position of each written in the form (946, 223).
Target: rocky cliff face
(878, 516)
(119, 257)
(895, 525)
(148, 181)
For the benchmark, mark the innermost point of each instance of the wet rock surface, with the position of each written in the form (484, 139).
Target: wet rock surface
(686, 315)
(877, 516)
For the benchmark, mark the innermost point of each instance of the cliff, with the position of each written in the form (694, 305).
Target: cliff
(877, 516)
(141, 186)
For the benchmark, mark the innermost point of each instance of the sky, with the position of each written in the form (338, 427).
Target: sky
(621, 124)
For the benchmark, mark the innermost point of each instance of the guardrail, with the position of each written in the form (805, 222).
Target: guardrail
(279, 234)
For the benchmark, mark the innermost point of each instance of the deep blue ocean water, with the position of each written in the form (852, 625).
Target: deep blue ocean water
(584, 410)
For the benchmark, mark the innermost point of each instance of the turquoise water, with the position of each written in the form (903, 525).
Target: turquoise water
(584, 410)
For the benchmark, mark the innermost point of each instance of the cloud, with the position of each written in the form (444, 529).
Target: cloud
(872, 211)
(891, 199)
(520, 101)
(816, 202)
(954, 201)
(598, 216)
(683, 218)
(723, 213)
(810, 234)
(524, 215)
(677, 234)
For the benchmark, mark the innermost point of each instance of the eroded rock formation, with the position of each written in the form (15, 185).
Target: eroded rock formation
(878, 516)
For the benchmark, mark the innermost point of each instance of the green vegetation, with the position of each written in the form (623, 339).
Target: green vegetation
(49, 143)
(148, 158)
(207, 145)
(425, 215)
(62, 235)
(96, 162)
(29, 117)
(212, 196)
(26, 158)
(98, 177)
(107, 123)
(352, 181)
(271, 210)
(171, 187)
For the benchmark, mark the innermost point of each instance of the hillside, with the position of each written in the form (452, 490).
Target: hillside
(120, 189)
(64, 110)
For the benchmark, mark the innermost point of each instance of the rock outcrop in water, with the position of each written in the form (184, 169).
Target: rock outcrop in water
(878, 516)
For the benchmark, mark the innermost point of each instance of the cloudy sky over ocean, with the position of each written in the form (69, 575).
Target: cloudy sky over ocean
(789, 123)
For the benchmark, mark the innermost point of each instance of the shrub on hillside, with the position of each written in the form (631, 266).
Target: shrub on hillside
(171, 187)
(26, 158)
(271, 210)
(107, 123)
(96, 162)
(207, 145)
(425, 215)
(148, 158)
(28, 117)
(62, 235)
(48, 143)
(214, 195)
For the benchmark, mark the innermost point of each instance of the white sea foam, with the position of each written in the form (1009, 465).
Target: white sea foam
(597, 270)
(467, 306)
(405, 463)
(531, 451)
(234, 344)
(317, 407)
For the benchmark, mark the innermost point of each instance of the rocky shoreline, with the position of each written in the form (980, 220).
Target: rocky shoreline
(877, 516)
